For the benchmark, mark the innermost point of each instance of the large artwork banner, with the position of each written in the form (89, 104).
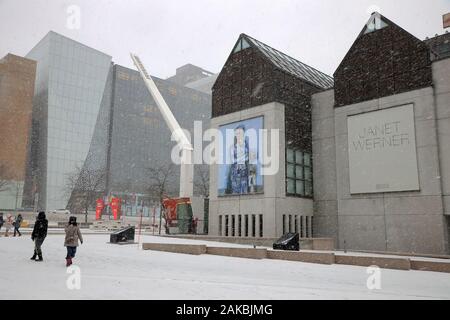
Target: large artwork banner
(240, 169)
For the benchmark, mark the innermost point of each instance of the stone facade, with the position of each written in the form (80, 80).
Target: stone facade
(382, 63)
(408, 221)
(248, 80)
(251, 84)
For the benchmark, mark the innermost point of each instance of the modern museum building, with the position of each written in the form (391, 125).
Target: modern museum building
(364, 157)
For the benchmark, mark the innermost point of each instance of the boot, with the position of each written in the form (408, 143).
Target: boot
(34, 256)
(68, 262)
(40, 258)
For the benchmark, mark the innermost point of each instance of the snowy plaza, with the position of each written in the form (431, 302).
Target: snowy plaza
(247, 150)
(127, 272)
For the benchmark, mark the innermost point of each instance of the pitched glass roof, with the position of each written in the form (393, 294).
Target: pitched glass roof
(375, 23)
(241, 45)
(293, 66)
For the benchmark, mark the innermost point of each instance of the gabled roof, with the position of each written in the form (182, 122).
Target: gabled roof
(376, 22)
(291, 65)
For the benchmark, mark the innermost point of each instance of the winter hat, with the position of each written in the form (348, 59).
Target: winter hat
(73, 220)
(41, 215)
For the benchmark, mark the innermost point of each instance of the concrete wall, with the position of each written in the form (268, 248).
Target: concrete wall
(308, 257)
(398, 221)
(324, 166)
(175, 248)
(441, 79)
(249, 253)
(273, 203)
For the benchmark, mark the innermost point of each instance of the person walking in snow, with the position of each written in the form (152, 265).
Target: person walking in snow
(73, 235)
(39, 234)
(1, 220)
(194, 225)
(8, 224)
(17, 224)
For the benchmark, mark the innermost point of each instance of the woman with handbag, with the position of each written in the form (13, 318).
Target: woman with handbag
(73, 235)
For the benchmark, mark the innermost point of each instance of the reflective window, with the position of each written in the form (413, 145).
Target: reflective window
(299, 173)
(241, 45)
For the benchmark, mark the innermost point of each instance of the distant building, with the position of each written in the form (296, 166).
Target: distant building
(440, 46)
(131, 134)
(204, 85)
(91, 113)
(189, 73)
(17, 77)
(70, 81)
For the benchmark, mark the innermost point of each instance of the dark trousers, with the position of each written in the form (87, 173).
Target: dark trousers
(71, 251)
(16, 230)
(37, 246)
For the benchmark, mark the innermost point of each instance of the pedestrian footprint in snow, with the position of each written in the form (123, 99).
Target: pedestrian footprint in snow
(73, 234)
(39, 234)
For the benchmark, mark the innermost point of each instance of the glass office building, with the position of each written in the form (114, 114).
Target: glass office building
(70, 82)
(139, 136)
(90, 113)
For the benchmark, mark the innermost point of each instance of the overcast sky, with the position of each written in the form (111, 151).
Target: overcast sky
(170, 33)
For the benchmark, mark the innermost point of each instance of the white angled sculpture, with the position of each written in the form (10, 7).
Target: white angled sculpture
(186, 167)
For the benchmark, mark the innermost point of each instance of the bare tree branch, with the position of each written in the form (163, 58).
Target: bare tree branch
(201, 181)
(5, 180)
(161, 179)
(84, 186)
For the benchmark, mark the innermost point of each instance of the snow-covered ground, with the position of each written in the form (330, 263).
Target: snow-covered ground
(127, 272)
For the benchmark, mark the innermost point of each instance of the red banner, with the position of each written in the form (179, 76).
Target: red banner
(99, 209)
(116, 207)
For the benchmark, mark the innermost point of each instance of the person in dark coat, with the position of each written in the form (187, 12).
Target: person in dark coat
(1, 220)
(39, 234)
(17, 224)
(194, 225)
(73, 235)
